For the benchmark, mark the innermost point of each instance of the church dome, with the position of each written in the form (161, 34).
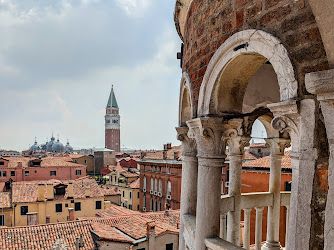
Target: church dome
(34, 147)
(68, 148)
(58, 147)
(50, 144)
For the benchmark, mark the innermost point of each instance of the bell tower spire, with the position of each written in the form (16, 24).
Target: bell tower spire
(112, 123)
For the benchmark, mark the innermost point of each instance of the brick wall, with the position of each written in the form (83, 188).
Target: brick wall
(210, 23)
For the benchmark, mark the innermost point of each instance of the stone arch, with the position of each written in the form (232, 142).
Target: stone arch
(187, 109)
(248, 49)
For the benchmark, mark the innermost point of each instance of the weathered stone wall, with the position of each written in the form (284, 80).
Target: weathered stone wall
(210, 23)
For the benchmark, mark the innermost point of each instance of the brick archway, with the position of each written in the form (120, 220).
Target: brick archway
(248, 42)
(187, 108)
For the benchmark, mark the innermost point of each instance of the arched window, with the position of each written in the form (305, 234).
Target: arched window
(160, 185)
(144, 201)
(169, 188)
(155, 185)
(151, 188)
(151, 205)
(144, 183)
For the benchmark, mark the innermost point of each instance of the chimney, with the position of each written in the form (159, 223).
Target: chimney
(165, 147)
(41, 192)
(87, 192)
(150, 227)
(49, 191)
(142, 155)
(71, 214)
(176, 155)
(106, 204)
(70, 190)
(19, 164)
(164, 155)
(32, 219)
(169, 145)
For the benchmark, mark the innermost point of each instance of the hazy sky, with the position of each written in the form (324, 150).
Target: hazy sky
(59, 58)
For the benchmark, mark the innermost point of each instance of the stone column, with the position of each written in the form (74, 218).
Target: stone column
(189, 179)
(208, 133)
(277, 147)
(322, 84)
(236, 144)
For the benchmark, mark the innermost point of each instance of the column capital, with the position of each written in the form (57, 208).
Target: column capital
(277, 145)
(321, 83)
(188, 144)
(208, 133)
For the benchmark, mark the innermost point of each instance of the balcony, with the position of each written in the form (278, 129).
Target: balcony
(248, 201)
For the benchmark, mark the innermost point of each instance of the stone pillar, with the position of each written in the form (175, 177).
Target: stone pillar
(322, 84)
(189, 179)
(277, 147)
(236, 144)
(208, 133)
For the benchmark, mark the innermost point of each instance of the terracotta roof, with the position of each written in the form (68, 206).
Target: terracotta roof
(171, 217)
(105, 232)
(45, 162)
(75, 156)
(27, 191)
(265, 162)
(159, 154)
(47, 236)
(115, 210)
(111, 191)
(134, 184)
(258, 145)
(248, 156)
(128, 174)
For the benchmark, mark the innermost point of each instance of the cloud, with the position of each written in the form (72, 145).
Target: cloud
(134, 7)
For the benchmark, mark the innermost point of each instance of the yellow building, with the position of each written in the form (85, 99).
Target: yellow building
(5, 208)
(86, 160)
(130, 194)
(43, 202)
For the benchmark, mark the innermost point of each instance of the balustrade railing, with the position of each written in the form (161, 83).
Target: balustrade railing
(249, 201)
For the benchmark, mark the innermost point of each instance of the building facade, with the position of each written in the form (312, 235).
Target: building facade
(112, 124)
(87, 160)
(31, 169)
(160, 180)
(242, 61)
(102, 158)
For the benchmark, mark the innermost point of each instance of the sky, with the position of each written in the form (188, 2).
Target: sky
(59, 58)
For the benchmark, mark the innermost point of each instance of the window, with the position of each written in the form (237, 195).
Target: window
(159, 169)
(123, 194)
(137, 207)
(3, 173)
(52, 173)
(12, 173)
(155, 206)
(130, 195)
(151, 184)
(66, 205)
(59, 208)
(98, 204)
(2, 163)
(77, 206)
(24, 210)
(2, 220)
(144, 167)
(144, 201)
(169, 188)
(138, 195)
(155, 185)
(168, 170)
(169, 246)
(77, 172)
(85, 161)
(26, 173)
(160, 206)
(141, 249)
(151, 207)
(144, 182)
(130, 207)
(160, 185)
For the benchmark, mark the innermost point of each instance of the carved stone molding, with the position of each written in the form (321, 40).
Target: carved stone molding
(189, 147)
(208, 133)
(321, 82)
(277, 145)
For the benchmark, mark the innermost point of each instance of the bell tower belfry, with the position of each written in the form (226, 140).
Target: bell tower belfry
(112, 123)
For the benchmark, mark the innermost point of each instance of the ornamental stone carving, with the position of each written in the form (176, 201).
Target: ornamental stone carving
(188, 144)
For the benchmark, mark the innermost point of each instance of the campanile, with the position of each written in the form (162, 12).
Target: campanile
(112, 123)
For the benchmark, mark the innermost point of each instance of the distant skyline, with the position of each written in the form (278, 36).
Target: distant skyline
(59, 59)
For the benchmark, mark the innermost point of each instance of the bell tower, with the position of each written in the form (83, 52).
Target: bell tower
(112, 123)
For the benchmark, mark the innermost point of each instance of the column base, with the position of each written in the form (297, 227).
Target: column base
(271, 246)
